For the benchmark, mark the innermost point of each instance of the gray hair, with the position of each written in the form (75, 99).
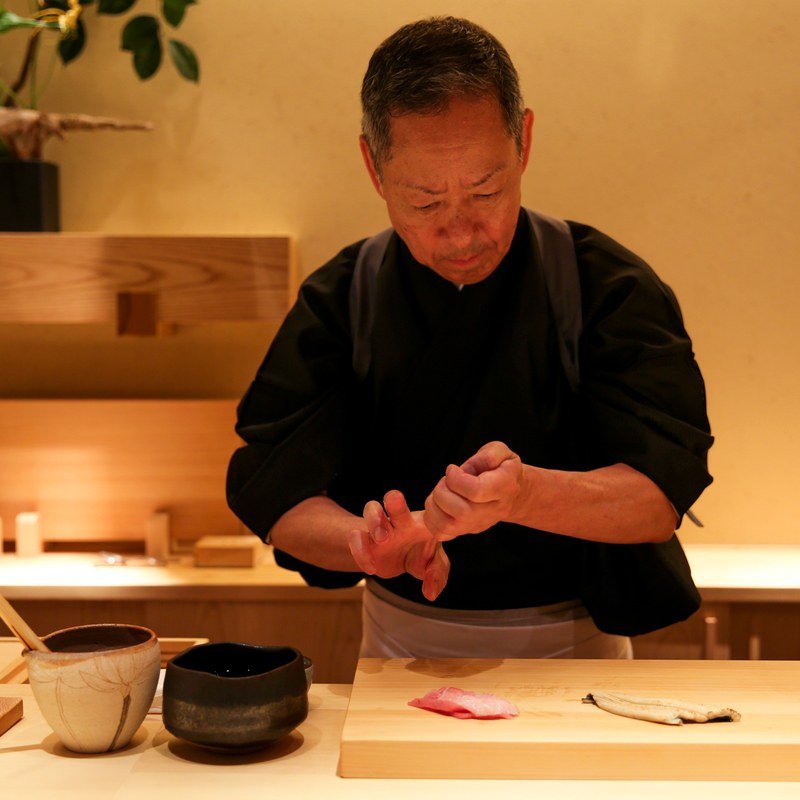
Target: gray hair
(423, 65)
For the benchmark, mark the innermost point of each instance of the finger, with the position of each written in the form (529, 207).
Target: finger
(436, 574)
(489, 457)
(397, 509)
(464, 484)
(376, 521)
(435, 520)
(486, 487)
(450, 502)
(358, 542)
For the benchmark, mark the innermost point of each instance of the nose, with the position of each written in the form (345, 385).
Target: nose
(459, 229)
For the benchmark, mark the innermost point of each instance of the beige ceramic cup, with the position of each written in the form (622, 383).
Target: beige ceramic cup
(97, 685)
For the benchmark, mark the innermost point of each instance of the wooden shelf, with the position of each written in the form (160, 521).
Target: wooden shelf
(100, 278)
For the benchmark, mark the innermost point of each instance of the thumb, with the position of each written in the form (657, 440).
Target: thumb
(436, 574)
(489, 457)
(396, 507)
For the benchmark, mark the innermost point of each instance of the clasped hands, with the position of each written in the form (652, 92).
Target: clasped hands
(469, 498)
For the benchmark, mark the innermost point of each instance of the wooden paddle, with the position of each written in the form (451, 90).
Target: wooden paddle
(20, 628)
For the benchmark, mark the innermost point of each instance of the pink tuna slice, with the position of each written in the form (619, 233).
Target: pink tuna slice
(465, 705)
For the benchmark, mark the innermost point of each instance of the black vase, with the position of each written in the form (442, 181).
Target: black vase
(28, 195)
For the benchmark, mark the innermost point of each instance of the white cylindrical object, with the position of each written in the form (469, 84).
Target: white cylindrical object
(28, 535)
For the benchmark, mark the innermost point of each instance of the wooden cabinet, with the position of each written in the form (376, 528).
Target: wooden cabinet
(763, 630)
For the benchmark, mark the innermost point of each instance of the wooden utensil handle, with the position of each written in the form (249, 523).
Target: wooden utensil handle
(20, 628)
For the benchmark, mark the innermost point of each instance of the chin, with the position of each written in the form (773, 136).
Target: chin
(467, 275)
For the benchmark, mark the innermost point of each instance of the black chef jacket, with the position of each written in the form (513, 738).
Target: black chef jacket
(452, 370)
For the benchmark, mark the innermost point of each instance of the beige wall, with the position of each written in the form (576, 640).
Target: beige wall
(671, 126)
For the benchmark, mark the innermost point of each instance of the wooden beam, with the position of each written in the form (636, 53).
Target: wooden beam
(76, 277)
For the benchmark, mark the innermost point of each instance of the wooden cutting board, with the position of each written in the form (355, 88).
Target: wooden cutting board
(556, 736)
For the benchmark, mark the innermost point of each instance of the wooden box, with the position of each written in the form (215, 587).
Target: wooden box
(228, 551)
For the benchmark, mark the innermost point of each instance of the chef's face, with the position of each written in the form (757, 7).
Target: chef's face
(452, 186)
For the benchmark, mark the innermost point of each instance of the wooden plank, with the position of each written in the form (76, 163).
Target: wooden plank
(76, 277)
(98, 469)
(556, 736)
(10, 712)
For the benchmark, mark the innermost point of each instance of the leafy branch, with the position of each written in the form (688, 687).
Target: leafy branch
(142, 36)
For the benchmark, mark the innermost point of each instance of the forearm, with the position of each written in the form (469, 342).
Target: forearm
(316, 531)
(610, 504)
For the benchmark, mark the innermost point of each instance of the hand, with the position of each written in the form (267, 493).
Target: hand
(396, 541)
(475, 496)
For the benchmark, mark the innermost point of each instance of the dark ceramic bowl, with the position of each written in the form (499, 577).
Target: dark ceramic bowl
(235, 697)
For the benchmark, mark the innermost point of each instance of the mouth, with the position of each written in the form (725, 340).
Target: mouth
(464, 262)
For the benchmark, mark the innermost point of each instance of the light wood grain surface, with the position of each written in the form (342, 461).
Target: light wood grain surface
(558, 736)
(158, 767)
(76, 277)
(98, 469)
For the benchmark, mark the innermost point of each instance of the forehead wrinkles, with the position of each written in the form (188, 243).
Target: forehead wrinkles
(430, 187)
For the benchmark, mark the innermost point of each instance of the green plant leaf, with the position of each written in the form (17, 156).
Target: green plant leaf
(174, 10)
(10, 20)
(70, 47)
(146, 60)
(114, 6)
(185, 60)
(140, 32)
(141, 37)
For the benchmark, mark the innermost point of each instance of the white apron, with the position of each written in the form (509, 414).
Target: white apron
(394, 627)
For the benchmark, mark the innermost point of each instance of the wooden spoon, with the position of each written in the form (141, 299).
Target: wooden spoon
(20, 628)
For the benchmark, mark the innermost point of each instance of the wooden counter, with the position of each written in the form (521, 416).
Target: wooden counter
(260, 605)
(746, 573)
(303, 765)
(751, 596)
(72, 576)
(723, 573)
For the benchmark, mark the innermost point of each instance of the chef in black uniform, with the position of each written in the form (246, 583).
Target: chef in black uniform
(496, 508)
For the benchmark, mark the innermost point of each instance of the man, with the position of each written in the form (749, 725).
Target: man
(498, 510)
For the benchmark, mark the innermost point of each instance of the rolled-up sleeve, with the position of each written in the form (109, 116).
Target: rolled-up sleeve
(642, 394)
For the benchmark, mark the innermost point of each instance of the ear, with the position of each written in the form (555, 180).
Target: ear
(527, 137)
(370, 165)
